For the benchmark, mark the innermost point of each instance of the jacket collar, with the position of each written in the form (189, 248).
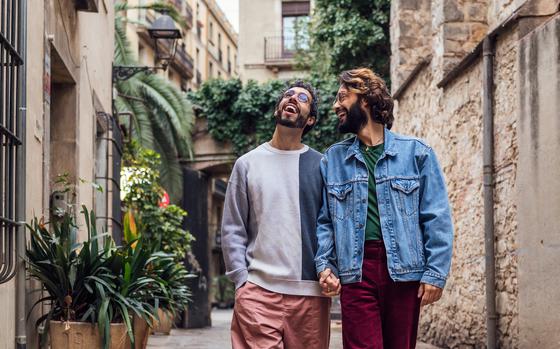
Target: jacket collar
(388, 139)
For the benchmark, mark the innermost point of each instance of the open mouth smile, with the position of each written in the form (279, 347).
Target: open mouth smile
(291, 108)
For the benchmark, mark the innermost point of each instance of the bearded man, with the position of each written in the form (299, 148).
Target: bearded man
(268, 234)
(384, 232)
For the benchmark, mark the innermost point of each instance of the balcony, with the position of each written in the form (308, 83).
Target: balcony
(189, 18)
(213, 50)
(183, 63)
(280, 51)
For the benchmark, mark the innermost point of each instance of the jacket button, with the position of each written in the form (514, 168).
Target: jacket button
(363, 200)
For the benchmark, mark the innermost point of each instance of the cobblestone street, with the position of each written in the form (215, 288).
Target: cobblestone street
(217, 336)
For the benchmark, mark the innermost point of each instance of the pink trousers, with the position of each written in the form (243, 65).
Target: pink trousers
(264, 320)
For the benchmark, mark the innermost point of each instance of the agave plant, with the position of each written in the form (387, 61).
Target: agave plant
(162, 117)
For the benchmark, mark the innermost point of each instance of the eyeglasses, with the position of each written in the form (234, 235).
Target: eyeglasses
(302, 97)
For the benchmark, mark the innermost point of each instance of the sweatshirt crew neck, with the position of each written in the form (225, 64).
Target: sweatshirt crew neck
(269, 147)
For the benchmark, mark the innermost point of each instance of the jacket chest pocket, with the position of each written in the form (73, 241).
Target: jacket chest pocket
(340, 200)
(406, 192)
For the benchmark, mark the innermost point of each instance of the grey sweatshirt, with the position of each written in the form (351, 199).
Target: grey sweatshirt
(270, 213)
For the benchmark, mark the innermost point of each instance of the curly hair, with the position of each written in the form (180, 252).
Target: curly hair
(369, 86)
(313, 111)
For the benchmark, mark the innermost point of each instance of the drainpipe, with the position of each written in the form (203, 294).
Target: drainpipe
(488, 171)
(21, 292)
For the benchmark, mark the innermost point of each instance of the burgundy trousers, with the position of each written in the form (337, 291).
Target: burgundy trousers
(379, 313)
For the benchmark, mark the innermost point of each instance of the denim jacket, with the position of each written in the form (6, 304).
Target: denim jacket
(413, 207)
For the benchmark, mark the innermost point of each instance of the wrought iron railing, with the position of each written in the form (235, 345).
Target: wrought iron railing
(280, 48)
(185, 59)
(189, 15)
(11, 62)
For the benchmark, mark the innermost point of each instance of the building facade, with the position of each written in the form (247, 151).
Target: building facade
(58, 119)
(480, 81)
(270, 33)
(207, 49)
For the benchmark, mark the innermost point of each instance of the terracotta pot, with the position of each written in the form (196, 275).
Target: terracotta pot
(165, 322)
(141, 332)
(85, 335)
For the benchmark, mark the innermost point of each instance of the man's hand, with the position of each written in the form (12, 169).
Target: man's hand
(329, 283)
(429, 294)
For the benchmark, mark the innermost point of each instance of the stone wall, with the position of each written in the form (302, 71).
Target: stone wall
(506, 157)
(458, 26)
(450, 119)
(411, 30)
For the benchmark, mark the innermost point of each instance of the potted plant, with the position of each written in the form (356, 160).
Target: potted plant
(159, 225)
(93, 288)
(167, 291)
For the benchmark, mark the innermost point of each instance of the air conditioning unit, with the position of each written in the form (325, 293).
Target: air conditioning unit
(219, 188)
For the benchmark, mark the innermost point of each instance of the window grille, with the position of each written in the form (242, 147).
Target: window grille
(11, 63)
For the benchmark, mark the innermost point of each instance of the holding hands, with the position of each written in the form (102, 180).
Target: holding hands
(329, 283)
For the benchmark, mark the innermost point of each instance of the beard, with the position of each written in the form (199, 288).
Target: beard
(356, 119)
(299, 122)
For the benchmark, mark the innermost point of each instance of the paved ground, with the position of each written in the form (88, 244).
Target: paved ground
(217, 336)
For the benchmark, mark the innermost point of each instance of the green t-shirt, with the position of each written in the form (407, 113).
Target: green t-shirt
(373, 225)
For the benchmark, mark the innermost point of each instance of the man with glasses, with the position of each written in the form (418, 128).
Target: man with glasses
(268, 234)
(384, 232)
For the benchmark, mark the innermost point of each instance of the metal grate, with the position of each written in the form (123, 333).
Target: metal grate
(112, 218)
(10, 132)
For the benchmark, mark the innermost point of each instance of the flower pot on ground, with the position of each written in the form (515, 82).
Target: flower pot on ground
(165, 322)
(85, 335)
(93, 282)
(141, 332)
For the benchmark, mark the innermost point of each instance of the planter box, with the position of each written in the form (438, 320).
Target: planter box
(84, 335)
(165, 322)
(141, 333)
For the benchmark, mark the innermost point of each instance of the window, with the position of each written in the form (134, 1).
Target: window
(220, 47)
(11, 142)
(295, 20)
(228, 60)
(219, 74)
(210, 68)
(141, 53)
(211, 32)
